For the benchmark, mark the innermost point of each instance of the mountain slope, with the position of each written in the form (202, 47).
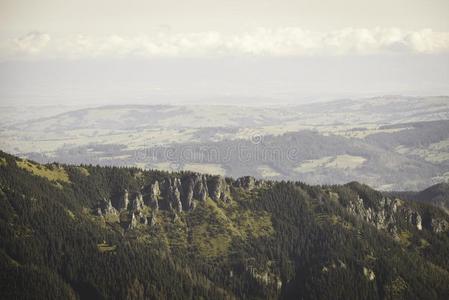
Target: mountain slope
(436, 195)
(106, 232)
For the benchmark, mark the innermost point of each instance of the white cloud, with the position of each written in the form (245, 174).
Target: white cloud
(289, 41)
(31, 43)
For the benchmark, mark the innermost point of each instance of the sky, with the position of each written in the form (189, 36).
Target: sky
(217, 51)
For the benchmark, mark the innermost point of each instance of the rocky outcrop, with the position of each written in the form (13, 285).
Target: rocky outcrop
(125, 200)
(105, 208)
(153, 195)
(176, 194)
(183, 193)
(200, 191)
(218, 188)
(172, 194)
(382, 216)
(369, 274)
(133, 222)
(137, 203)
(246, 182)
(194, 188)
(135, 218)
(414, 218)
(387, 213)
(439, 225)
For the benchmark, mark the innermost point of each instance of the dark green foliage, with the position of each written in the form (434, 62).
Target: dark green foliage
(49, 245)
(437, 195)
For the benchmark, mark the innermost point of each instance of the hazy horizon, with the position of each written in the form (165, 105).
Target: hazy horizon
(287, 52)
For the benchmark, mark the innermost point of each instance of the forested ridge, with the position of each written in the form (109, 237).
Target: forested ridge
(90, 232)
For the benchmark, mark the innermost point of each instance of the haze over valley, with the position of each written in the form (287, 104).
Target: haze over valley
(390, 142)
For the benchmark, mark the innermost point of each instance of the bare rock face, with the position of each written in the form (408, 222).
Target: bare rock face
(135, 218)
(246, 182)
(133, 223)
(194, 187)
(369, 274)
(105, 208)
(200, 191)
(439, 225)
(173, 194)
(125, 199)
(178, 194)
(182, 193)
(137, 202)
(218, 188)
(154, 195)
(383, 217)
(388, 212)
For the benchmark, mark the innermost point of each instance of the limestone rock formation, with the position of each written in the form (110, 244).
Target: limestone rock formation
(173, 194)
(386, 214)
(439, 225)
(218, 188)
(200, 191)
(383, 216)
(133, 222)
(153, 196)
(194, 187)
(416, 220)
(369, 274)
(246, 182)
(137, 203)
(105, 208)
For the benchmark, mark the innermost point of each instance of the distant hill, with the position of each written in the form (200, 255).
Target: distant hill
(91, 232)
(391, 143)
(437, 195)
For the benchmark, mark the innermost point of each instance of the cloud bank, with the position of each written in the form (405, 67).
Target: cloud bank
(289, 41)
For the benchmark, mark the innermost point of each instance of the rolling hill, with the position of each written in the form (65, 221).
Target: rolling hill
(380, 141)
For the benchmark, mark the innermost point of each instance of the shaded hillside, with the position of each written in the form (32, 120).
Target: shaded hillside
(437, 195)
(106, 232)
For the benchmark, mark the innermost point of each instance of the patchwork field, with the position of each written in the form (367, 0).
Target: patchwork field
(381, 141)
(336, 162)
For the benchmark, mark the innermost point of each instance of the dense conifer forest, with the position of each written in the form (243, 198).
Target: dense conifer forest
(90, 232)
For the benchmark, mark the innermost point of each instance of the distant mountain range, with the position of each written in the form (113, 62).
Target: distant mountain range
(91, 232)
(390, 143)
